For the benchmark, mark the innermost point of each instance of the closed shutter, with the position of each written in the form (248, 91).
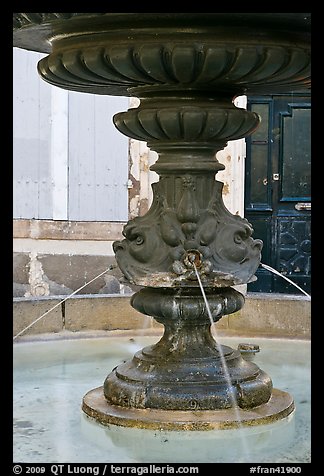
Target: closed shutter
(69, 161)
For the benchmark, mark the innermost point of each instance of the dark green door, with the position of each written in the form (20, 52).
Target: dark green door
(278, 191)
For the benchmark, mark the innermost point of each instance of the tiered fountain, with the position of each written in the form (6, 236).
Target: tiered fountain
(186, 69)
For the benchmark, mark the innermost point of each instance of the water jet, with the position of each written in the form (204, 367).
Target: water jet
(186, 69)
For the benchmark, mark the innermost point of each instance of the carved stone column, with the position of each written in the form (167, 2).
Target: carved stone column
(186, 69)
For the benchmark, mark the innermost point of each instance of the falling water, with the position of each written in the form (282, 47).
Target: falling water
(274, 271)
(225, 369)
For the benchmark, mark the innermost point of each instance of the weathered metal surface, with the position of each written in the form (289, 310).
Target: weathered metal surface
(184, 370)
(95, 406)
(187, 212)
(95, 52)
(248, 351)
(248, 348)
(188, 215)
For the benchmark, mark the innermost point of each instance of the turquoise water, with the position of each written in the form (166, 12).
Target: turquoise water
(51, 378)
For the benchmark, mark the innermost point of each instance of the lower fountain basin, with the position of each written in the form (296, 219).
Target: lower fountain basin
(51, 378)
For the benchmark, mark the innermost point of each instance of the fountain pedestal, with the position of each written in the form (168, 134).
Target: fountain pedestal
(186, 69)
(184, 370)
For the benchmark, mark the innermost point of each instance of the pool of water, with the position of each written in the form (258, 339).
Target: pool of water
(51, 378)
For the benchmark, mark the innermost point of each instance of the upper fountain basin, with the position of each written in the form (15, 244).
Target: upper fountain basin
(108, 53)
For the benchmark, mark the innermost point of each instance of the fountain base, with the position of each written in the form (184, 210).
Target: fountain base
(187, 369)
(95, 405)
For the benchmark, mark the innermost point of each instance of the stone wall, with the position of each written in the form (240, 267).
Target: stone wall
(262, 315)
(58, 257)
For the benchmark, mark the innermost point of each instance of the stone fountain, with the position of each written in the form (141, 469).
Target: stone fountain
(186, 69)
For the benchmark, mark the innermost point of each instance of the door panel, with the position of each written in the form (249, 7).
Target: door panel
(278, 191)
(257, 173)
(295, 155)
(294, 252)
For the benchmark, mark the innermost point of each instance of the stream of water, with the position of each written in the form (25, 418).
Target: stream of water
(230, 386)
(274, 271)
(221, 353)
